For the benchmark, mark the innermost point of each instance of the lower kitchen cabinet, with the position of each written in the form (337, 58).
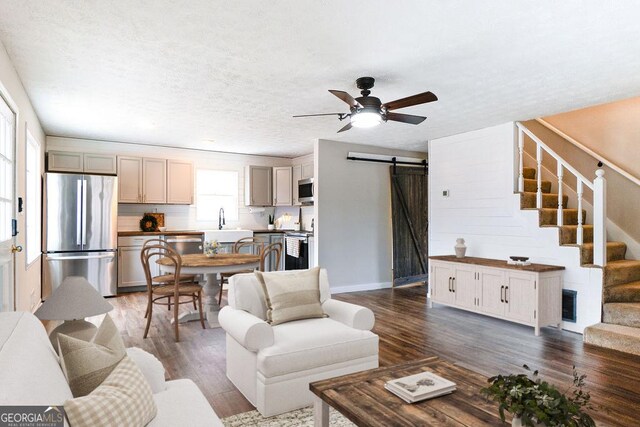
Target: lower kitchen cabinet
(530, 295)
(130, 270)
(268, 239)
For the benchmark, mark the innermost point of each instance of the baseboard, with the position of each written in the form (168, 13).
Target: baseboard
(360, 287)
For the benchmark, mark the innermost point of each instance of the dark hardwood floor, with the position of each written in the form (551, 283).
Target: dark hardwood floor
(408, 330)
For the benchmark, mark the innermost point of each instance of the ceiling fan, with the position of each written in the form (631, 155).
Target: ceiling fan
(368, 111)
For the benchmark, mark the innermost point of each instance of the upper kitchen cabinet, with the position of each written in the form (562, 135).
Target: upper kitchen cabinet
(297, 176)
(129, 179)
(71, 161)
(142, 180)
(282, 186)
(104, 164)
(307, 170)
(179, 182)
(258, 187)
(154, 181)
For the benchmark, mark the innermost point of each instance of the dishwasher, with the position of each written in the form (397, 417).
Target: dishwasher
(186, 243)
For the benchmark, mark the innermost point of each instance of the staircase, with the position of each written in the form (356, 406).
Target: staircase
(620, 327)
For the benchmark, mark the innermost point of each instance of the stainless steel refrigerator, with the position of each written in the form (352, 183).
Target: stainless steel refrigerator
(80, 230)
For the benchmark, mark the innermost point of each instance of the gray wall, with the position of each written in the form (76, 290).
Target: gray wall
(353, 216)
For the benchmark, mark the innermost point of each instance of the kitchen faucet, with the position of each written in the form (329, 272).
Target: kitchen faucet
(221, 220)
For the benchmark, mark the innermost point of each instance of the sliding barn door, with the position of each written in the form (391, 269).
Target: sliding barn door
(410, 224)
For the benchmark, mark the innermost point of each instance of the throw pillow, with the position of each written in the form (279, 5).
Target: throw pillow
(151, 368)
(87, 364)
(123, 399)
(291, 295)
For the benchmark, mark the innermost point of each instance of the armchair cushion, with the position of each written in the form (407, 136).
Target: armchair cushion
(311, 343)
(246, 293)
(249, 331)
(352, 315)
(291, 295)
(151, 368)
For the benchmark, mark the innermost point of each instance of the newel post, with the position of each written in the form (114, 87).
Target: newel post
(599, 219)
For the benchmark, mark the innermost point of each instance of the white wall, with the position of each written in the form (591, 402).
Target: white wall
(178, 217)
(353, 216)
(28, 289)
(478, 170)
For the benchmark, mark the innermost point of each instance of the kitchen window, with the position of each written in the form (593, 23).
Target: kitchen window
(32, 207)
(216, 189)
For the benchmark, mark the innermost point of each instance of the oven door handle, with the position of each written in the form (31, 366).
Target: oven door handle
(184, 240)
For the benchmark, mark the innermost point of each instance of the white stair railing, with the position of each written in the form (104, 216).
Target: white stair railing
(598, 187)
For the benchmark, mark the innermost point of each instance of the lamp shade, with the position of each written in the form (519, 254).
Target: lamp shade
(74, 299)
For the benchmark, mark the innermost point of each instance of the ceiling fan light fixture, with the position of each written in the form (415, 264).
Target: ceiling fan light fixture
(366, 119)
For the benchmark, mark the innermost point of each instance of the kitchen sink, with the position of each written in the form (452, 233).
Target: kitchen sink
(226, 236)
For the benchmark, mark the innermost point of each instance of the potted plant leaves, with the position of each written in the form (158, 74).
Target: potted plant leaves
(271, 221)
(534, 402)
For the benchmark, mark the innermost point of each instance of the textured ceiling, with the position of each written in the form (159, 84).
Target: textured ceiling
(181, 73)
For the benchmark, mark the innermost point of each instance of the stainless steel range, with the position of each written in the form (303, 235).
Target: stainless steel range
(298, 250)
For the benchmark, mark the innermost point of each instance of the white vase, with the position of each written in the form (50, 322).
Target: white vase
(460, 248)
(270, 227)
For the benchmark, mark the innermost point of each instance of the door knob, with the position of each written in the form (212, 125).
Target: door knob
(15, 249)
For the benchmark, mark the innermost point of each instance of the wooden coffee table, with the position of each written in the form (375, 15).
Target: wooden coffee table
(362, 398)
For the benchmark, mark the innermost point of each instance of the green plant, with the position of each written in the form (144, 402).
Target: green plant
(537, 401)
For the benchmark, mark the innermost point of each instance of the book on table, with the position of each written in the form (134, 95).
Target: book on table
(425, 385)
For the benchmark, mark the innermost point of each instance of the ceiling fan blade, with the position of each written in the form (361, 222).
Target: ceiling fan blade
(421, 98)
(321, 114)
(346, 98)
(405, 118)
(346, 127)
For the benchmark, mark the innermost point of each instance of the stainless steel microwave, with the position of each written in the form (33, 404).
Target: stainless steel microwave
(305, 191)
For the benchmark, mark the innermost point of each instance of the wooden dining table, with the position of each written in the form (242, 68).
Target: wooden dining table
(210, 267)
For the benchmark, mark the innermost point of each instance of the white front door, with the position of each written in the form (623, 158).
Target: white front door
(7, 206)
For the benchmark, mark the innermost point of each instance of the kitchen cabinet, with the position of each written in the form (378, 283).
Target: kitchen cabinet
(297, 176)
(268, 239)
(258, 186)
(104, 164)
(129, 179)
(530, 296)
(71, 161)
(307, 170)
(154, 180)
(179, 182)
(282, 186)
(130, 270)
(142, 180)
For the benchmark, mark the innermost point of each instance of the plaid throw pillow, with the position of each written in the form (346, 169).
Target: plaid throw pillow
(87, 364)
(123, 399)
(291, 295)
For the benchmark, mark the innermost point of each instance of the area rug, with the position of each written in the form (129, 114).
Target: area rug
(298, 418)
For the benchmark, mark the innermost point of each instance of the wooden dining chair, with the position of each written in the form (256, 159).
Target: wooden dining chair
(256, 246)
(274, 248)
(176, 289)
(164, 279)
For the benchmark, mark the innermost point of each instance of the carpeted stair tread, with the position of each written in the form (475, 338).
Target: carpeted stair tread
(549, 200)
(568, 234)
(531, 186)
(626, 292)
(529, 173)
(615, 252)
(616, 337)
(549, 216)
(622, 313)
(622, 271)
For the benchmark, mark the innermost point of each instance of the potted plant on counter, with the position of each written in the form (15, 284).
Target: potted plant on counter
(271, 226)
(534, 402)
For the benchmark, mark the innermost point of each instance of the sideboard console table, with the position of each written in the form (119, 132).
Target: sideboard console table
(530, 295)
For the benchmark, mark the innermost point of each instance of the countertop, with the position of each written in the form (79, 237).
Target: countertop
(536, 268)
(160, 233)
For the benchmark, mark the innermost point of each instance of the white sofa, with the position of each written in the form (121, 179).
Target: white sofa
(273, 365)
(31, 375)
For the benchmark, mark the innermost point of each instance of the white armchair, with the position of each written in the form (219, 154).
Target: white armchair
(273, 365)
